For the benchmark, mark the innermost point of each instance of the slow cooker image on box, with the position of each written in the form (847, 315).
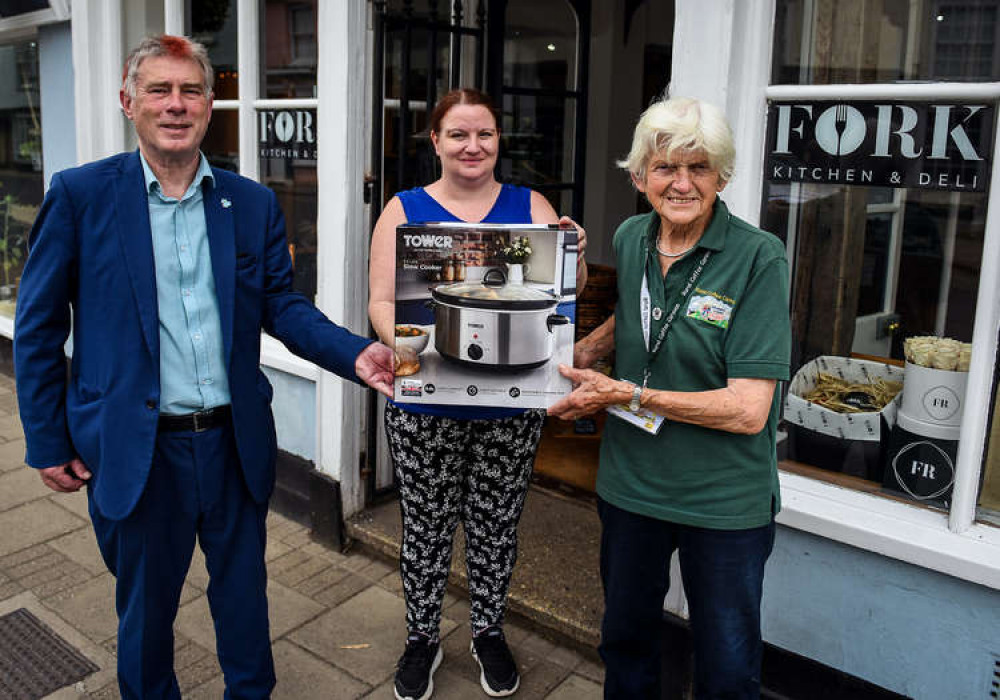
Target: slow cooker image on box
(492, 324)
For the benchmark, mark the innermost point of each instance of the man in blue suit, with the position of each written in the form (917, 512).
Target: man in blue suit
(167, 270)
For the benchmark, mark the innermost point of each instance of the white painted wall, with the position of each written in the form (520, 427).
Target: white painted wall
(343, 236)
(55, 58)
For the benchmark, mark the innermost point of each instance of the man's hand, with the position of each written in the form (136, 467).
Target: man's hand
(65, 478)
(374, 367)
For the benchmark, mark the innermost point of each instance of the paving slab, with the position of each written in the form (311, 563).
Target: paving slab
(286, 611)
(75, 503)
(90, 607)
(302, 676)
(447, 686)
(198, 673)
(344, 589)
(10, 428)
(591, 670)
(20, 486)
(577, 688)
(34, 522)
(212, 690)
(81, 547)
(541, 679)
(363, 636)
(197, 574)
(12, 457)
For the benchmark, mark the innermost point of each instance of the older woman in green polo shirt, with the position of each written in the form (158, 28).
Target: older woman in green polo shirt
(701, 338)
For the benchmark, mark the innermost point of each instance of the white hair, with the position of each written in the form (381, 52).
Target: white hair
(681, 124)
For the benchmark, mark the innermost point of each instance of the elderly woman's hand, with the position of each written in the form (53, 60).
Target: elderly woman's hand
(594, 391)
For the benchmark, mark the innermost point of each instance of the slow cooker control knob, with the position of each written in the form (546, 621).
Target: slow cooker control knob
(475, 352)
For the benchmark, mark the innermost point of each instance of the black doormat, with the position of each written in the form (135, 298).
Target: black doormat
(34, 660)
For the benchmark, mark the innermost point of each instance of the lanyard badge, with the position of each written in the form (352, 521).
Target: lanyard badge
(647, 420)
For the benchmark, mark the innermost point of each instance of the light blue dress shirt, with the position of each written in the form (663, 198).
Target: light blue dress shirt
(192, 367)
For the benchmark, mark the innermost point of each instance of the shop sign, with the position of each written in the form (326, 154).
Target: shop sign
(924, 145)
(287, 133)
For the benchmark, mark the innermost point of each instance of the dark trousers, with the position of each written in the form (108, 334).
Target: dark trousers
(195, 490)
(723, 574)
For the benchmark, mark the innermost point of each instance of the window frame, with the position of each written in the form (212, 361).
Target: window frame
(273, 354)
(739, 81)
(952, 542)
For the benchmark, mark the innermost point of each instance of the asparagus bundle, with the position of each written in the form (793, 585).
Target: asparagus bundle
(844, 396)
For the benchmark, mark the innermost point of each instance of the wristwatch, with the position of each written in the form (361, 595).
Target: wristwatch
(633, 405)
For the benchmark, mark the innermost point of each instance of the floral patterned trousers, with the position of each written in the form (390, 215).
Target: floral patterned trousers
(448, 470)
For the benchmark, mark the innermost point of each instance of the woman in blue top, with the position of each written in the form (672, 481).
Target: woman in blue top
(453, 462)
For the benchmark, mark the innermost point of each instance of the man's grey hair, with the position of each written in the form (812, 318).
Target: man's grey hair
(166, 45)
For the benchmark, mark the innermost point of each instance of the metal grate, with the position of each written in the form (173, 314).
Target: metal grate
(34, 660)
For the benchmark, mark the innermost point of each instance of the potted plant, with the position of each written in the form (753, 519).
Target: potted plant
(516, 254)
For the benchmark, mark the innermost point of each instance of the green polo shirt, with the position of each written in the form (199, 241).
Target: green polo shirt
(734, 324)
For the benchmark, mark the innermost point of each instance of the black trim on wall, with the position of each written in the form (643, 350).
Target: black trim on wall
(7, 356)
(310, 498)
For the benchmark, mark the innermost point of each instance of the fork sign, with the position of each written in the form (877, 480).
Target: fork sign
(840, 125)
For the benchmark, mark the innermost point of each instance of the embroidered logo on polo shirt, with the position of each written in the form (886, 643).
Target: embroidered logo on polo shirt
(710, 307)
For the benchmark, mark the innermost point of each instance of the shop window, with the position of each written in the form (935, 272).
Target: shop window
(882, 204)
(21, 178)
(288, 166)
(540, 99)
(989, 495)
(283, 112)
(288, 36)
(213, 23)
(222, 140)
(820, 42)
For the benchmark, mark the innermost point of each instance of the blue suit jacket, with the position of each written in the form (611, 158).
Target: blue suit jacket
(91, 251)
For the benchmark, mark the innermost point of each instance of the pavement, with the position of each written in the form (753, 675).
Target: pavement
(336, 618)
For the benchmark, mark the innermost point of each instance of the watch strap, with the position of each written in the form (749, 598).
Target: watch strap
(633, 405)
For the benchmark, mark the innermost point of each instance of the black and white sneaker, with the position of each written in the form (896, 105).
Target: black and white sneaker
(416, 667)
(499, 676)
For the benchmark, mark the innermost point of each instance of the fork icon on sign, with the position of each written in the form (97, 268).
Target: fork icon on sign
(840, 125)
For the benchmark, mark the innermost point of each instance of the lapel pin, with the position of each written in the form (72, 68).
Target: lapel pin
(657, 313)
(225, 203)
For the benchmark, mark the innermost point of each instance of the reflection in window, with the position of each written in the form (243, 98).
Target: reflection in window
(860, 41)
(213, 23)
(538, 134)
(287, 141)
(288, 35)
(869, 272)
(540, 98)
(989, 495)
(540, 45)
(221, 145)
(21, 179)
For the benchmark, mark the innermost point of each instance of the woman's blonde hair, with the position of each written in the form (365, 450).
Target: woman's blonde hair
(681, 124)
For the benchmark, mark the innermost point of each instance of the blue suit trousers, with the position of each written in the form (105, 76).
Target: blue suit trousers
(195, 491)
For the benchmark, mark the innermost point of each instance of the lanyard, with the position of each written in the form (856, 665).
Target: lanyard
(645, 310)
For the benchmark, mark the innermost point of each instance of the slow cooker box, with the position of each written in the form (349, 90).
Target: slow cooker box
(492, 341)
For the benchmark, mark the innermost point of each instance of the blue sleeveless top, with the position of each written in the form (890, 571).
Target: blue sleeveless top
(513, 206)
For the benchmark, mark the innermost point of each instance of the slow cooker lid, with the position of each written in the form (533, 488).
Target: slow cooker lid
(483, 295)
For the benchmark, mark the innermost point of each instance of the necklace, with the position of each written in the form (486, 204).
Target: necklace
(668, 254)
